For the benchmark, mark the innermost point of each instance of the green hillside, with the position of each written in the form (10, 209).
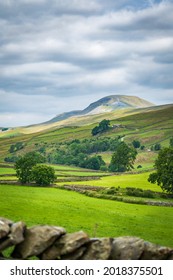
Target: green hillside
(150, 125)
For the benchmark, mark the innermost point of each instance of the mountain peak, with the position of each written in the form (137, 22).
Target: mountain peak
(114, 102)
(106, 104)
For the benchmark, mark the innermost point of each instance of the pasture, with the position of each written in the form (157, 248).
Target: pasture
(126, 180)
(74, 211)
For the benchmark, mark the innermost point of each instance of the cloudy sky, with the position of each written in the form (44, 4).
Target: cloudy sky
(61, 55)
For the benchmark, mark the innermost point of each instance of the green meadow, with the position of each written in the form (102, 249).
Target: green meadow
(77, 212)
(74, 211)
(126, 180)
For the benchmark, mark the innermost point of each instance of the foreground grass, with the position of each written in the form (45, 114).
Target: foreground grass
(77, 212)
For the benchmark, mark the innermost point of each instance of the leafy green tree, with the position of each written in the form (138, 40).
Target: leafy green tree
(102, 127)
(171, 142)
(142, 147)
(16, 147)
(157, 147)
(5, 128)
(123, 158)
(164, 170)
(24, 164)
(95, 130)
(43, 175)
(11, 159)
(12, 148)
(136, 144)
(94, 162)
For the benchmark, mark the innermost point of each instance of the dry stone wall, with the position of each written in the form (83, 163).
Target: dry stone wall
(54, 243)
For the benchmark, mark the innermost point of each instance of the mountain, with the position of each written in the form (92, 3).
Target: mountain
(104, 105)
(110, 107)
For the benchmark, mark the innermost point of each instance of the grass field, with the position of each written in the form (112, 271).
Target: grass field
(77, 212)
(4, 170)
(125, 180)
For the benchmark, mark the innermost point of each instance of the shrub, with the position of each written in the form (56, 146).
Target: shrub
(148, 193)
(103, 168)
(111, 191)
(43, 175)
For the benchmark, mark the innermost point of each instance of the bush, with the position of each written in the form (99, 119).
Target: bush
(136, 144)
(43, 175)
(148, 194)
(103, 168)
(140, 193)
(111, 191)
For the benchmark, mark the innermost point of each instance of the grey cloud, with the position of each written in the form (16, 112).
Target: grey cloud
(158, 18)
(24, 9)
(58, 52)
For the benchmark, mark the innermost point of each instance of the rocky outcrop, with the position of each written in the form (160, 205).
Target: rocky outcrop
(54, 243)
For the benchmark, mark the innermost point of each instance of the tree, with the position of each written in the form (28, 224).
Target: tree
(156, 147)
(95, 130)
(136, 144)
(94, 162)
(24, 166)
(16, 147)
(171, 142)
(102, 127)
(123, 158)
(43, 175)
(164, 170)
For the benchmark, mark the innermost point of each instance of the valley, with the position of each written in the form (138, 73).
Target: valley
(100, 202)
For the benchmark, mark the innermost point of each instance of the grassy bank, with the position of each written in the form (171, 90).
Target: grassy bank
(77, 212)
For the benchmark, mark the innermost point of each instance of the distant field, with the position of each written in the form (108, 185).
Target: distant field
(77, 212)
(123, 180)
(81, 173)
(106, 180)
(66, 168)
(4, 170)
(144, 158)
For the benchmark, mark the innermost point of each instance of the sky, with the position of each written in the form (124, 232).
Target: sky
(61, 55)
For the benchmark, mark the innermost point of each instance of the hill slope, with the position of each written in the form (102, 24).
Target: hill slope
(109, 107)
(150, 125)
(106, 104)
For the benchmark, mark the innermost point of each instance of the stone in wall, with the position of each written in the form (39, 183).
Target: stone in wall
(15, 236)
(98, 249)
(155, 252)
(76, 255)
(37, 240)
(4, 227)
(67, 244)
(127, 248)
